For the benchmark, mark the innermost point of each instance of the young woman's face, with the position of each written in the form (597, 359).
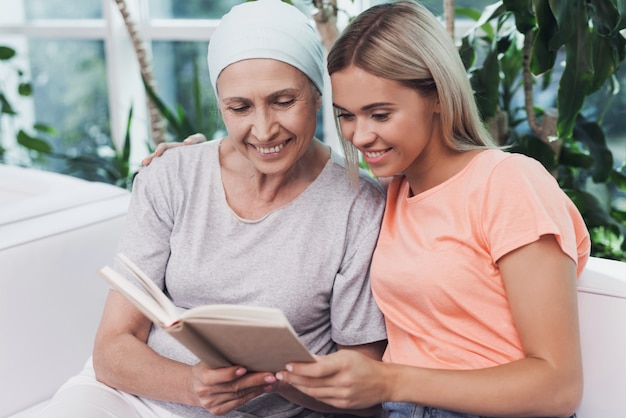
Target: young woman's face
(392, 125)
(269, 109)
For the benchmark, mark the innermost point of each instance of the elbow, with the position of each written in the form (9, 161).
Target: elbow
(101, 365)
(98, 365)
(570, 406)
(568, 398)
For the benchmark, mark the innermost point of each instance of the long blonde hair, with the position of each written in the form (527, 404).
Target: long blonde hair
(404, 42)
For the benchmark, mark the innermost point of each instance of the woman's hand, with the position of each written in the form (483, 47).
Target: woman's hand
(222, 390)
(345, 379)
(164, 146)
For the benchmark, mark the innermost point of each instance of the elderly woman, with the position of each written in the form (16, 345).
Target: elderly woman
(266, 216)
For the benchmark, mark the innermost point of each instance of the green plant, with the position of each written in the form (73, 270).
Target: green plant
(197, 116)
(32, 144)
(516, 50)
(109, 165)
(26, 137)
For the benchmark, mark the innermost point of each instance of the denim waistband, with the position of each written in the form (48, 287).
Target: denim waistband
(409, 410)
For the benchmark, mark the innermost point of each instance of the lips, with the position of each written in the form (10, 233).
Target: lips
(373, 154)
(269, 150)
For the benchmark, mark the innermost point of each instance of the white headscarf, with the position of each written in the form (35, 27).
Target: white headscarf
(266, 29)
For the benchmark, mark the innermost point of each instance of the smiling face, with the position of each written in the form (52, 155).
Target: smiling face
(269, 109)
(395, 128)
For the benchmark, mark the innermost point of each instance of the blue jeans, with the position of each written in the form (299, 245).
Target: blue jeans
(409, 410)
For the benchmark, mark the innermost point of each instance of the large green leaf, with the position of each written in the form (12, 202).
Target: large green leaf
(566, 13)
(522, 9)
(621, 9)
(470, 42)
(573, 158)
(491, 12)
(6, 53)
(577, 76)
(178, 122)
(618, 177)
(25, 89)
(32, 143)
(44, 128)
(591, 134)
(485, 82)
(606, 16)
(161, 106)
(510, 69)
(608, 53)
(5, 106)
(592, 209)
(186, 127)
(467, 52)
(608, 242)
(543, 56)
(468, 12)
(197, 97)
(534, 147)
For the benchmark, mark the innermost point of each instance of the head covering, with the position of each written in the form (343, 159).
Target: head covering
(266, 29)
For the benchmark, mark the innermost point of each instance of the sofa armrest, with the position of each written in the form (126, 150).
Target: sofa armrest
(602, 309)
(51, 297)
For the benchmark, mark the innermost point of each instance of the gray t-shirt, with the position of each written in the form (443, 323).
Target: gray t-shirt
(310, 258)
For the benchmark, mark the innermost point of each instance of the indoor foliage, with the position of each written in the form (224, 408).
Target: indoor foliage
(565, 50)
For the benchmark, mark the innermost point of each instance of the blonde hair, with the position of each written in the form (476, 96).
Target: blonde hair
(405, 42)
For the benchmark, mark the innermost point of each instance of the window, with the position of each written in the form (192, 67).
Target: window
(84, 72)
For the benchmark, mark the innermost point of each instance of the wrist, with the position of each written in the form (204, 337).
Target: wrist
(391, 382)
(191, 397)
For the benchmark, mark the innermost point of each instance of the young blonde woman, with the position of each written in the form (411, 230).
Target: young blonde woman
(476, 265)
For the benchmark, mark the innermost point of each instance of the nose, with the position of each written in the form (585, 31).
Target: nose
(361, 135)
(265, 125)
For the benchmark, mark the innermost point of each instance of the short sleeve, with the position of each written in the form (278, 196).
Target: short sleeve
(522, 202)
(149, 222)
(355, 316)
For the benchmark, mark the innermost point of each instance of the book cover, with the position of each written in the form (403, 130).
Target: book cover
(258, 338)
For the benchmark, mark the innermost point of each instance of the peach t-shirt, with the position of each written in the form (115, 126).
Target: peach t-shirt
(434, 272)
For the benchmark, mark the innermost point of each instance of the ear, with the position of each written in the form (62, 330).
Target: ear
(318, 99)
(436, 105)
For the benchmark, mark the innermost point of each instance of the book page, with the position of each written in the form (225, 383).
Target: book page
(238, 313)
(145, 303)
(148, 285)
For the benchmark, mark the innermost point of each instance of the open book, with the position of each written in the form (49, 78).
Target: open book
(258, 338)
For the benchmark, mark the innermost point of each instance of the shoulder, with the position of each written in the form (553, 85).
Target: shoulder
(367, 185)
(182, 160)
(348, 204)
(507, 169)
(498, 160)
(178, 169)
(192, 154)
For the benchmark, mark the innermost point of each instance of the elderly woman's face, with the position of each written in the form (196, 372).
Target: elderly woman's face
(269, 109)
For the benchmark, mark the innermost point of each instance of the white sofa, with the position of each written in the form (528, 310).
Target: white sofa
(56, 231)
(602, 313)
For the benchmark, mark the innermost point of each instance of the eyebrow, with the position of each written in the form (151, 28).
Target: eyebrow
(366, 107)
(287, 91)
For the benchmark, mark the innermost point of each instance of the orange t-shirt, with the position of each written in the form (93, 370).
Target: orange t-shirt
(434, 272)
